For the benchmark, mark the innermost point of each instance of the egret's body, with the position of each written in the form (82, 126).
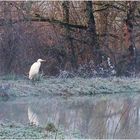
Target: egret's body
(34, 70)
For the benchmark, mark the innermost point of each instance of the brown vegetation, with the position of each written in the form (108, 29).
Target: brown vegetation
(69, 34)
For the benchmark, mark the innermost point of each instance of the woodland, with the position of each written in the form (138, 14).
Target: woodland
(84, 38)
(88, 84)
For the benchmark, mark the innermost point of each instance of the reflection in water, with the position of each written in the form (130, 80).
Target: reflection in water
(33, 118)
(102, 118)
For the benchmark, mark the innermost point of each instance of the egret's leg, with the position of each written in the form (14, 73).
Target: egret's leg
(33, 81)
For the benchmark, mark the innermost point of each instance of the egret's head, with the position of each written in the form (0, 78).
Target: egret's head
(41, 60)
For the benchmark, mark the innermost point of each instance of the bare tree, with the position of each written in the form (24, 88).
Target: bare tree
(92, 35)
(71, 48)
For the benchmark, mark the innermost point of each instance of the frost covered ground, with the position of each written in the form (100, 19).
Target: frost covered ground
(71, 86)
(18, 131)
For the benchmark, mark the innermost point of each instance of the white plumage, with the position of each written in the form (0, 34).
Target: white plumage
(34, 70)
(33, 118)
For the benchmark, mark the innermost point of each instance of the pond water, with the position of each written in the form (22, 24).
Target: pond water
(101, 117)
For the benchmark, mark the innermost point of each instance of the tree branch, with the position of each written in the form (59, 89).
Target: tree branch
(42, 19)
(55, 21)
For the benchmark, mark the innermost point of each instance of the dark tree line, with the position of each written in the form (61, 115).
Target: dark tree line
(70, 35)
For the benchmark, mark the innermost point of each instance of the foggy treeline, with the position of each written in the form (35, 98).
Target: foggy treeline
(93, 37)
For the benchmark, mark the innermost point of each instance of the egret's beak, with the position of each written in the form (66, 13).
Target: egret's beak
(43, 60)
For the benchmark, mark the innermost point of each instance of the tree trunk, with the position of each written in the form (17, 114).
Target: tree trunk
(92, 36)
(129, 24)
(71, 49)
(129, 35)
(8, 47)
(127, 64)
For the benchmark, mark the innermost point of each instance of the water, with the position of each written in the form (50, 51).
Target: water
(90, 117)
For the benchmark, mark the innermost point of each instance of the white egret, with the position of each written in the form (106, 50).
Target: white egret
(34, 70)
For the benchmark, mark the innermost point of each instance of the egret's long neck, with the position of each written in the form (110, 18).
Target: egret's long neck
(39, 63)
